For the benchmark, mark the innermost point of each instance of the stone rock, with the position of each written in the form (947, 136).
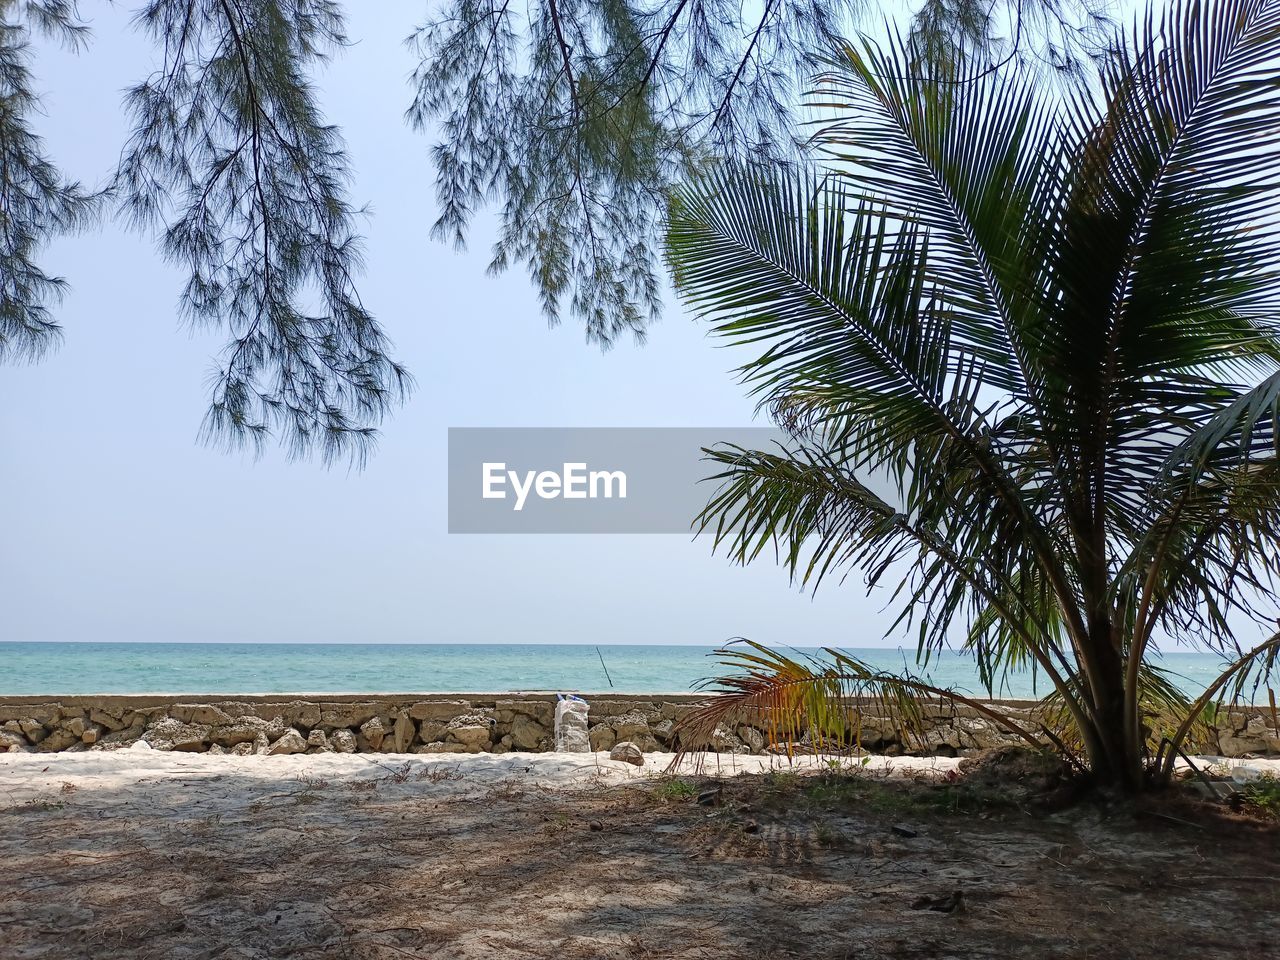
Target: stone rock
(500, 747)
(170, 734)
(246, 730)
(91, 734)
(445, 748)
(1239, 746)
(343, 741)
(336, 715)
(59, 740)
(604, 709)
(9, 739)
(541, 711)
(439, 709)
(663, 731)
(648, 743)
(139, 745)
(528, 734)
(18, 748)
(44, 712)
(627, 752)
(753, 738)
(676, 711)
(242, 750)
(215, 750)
(403, 733)
(295, 713)
(938, 738)
(471, 730)
(724, 740)
(112, 720)
(432, 731)
(33, 729)
(630, 725)
(601, 738)
(198, 713)
(373, 732)
(633, 727)
(261, 745)
(291, 742)
(317, 742)
(126, 736)
(74, 726)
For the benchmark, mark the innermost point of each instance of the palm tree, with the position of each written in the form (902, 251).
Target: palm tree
(1026, 347)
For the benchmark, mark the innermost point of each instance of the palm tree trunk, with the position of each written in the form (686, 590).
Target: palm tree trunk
(1115, 755)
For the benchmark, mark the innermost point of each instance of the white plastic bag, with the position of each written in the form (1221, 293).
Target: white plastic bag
(571, 725)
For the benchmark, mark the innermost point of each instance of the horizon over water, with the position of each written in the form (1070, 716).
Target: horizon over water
(123, 667)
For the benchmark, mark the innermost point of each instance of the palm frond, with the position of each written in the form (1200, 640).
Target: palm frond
(820, 705)
(1250, 669)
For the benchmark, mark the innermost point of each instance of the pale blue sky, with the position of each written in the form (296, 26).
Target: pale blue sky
(121, 527)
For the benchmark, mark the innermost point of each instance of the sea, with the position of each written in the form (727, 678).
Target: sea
(216, 668)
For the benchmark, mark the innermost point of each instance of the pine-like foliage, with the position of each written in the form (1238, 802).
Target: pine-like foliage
(231, 156)
(575, 118)
(1028, 346)
(37, 202)
(579, 115)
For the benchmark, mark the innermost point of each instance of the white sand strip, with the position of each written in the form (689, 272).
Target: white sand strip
(217, 780)
(29, 776)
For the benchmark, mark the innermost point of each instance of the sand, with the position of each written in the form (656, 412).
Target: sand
(141, 854)
(27, 777)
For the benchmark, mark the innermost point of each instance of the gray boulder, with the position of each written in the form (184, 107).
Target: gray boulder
(627, 752)
(205, 713)
(10, 739)
(317, 742)
(343, 741)
(170, 734)
(528, 734)
(403, 733)
(373, 732)
(601, 737)
(246, 730)
(291, 742)
(472, 731)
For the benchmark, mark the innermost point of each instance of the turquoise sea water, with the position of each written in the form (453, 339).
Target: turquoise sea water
(45, 668)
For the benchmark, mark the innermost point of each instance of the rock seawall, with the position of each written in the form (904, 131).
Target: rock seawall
(473, 723)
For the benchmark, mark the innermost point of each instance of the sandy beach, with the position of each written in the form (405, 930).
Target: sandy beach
(145, 854)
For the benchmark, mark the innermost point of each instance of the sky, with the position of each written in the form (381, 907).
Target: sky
(120, 526)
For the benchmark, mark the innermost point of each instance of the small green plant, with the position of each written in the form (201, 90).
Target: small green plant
(675, 789)
(1263, 795)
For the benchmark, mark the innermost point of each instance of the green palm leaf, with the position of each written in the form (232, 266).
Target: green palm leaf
(1026, 348)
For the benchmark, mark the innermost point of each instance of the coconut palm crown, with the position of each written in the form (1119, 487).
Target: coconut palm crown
(1026, 345)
